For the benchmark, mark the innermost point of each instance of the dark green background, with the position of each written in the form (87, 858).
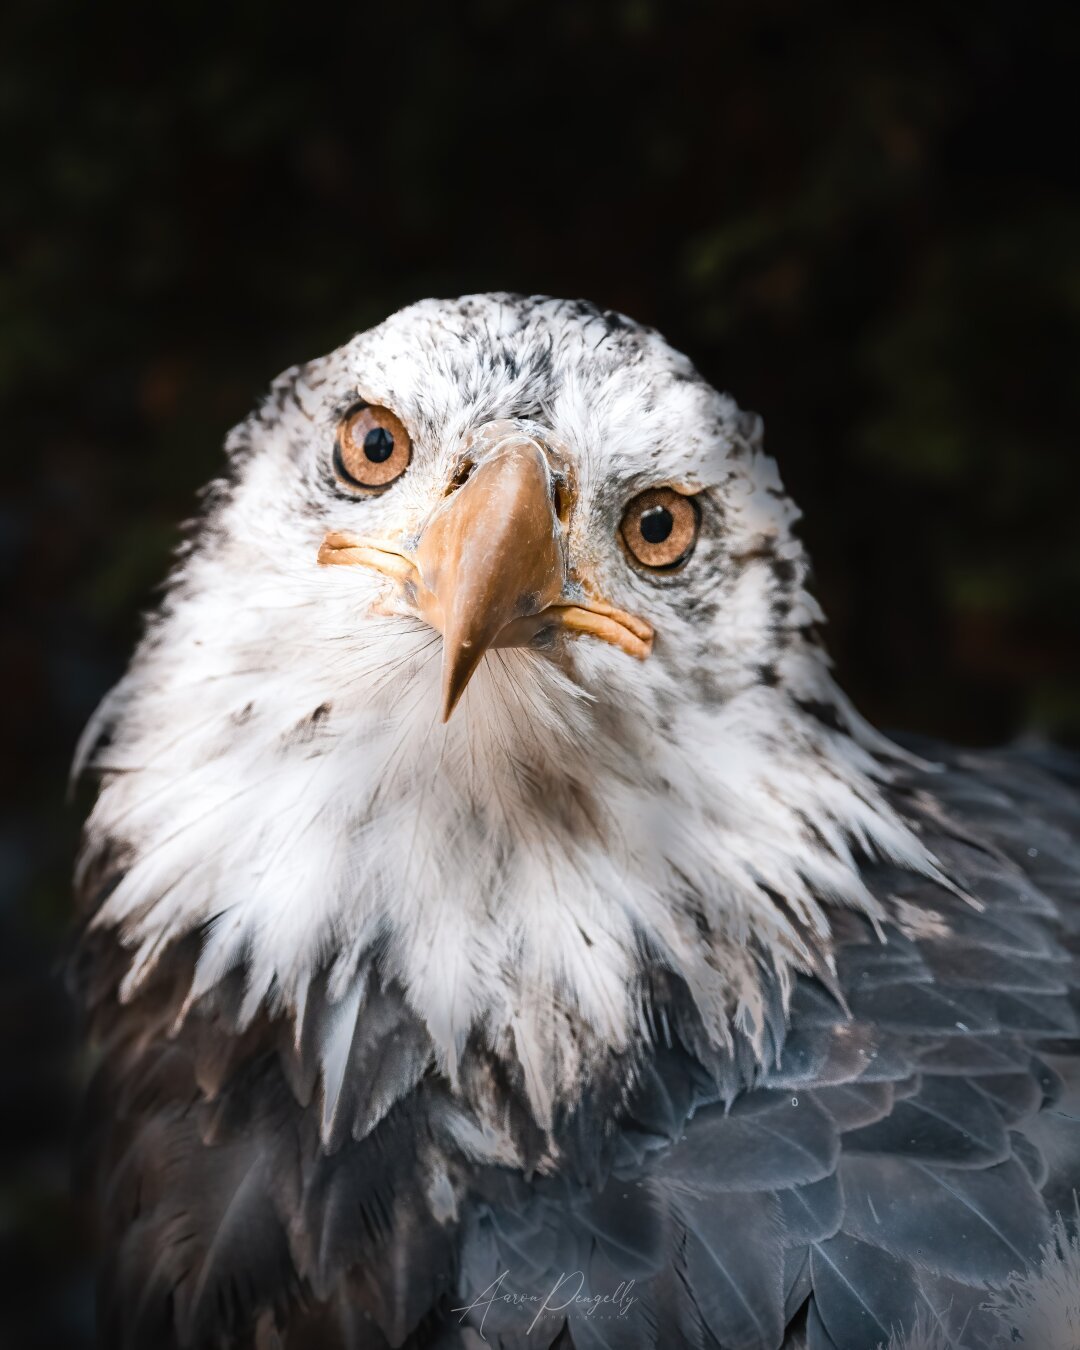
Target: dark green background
(864, 227)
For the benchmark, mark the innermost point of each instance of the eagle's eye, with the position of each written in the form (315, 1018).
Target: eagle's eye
(660, 528)
(372, 448)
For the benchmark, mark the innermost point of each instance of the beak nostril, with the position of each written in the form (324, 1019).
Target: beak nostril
(560, 500)
(464, 473)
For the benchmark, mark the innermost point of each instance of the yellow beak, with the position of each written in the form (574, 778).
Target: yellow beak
(490, 569)
(492, 554)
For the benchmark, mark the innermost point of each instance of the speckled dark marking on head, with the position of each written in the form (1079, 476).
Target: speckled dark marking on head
(707, 687)
(701, 609)
(308, 727)
(784, 570)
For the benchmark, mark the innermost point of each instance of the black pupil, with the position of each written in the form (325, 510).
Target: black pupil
(378, 445)
(656, 524)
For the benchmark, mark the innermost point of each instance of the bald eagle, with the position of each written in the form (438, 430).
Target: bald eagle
(497, 927)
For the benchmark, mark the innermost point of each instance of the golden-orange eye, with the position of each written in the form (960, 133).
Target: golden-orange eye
(372, 448)
(660, 527)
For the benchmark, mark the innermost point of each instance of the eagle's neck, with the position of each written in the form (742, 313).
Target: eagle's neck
(521, 875)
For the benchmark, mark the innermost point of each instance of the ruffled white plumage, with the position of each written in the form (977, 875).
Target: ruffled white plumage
(278, 778)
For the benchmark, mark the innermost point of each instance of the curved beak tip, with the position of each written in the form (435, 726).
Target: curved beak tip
(459, 665)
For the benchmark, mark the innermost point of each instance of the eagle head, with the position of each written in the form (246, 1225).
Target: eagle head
(491, 667)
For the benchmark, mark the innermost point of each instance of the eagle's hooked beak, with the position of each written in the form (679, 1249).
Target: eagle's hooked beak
(490, 568)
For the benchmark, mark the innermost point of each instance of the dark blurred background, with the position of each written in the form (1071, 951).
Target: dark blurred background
(865, 227)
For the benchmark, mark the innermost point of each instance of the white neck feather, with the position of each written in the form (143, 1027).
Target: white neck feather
(517, 867)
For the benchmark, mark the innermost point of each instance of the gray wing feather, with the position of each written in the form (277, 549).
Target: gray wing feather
(899, 1161)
